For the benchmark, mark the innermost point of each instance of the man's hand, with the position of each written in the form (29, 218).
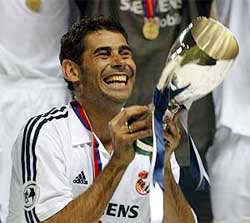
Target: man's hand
(124, 134)
(171, 134)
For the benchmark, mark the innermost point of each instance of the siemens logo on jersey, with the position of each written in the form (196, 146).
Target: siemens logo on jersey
(121, 210)
(163, 6)
(168, 11)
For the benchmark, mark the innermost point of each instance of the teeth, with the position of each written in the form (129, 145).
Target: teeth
(119, 83)
(116, 78)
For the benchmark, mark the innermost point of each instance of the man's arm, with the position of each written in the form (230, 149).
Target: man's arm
(90, 205)
(176, 207)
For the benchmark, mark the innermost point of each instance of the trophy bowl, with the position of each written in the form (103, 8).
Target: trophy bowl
(199, 60)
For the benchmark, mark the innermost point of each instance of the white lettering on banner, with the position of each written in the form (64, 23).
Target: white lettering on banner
(134, 6)
(170, 20)
(137, 7)
(169, 7)
(164, 6)
(176, 4)
(125, 5)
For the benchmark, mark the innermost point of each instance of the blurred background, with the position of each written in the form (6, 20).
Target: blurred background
(31, 80)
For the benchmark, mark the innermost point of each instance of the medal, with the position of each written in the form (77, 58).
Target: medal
(151, 26)
(150, 29)
(34, 5)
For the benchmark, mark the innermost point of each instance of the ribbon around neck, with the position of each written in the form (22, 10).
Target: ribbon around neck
(81, 114)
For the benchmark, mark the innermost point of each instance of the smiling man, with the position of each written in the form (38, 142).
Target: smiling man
(77, 164)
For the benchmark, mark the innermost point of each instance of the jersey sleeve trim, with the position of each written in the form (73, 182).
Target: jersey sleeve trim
(28, 155)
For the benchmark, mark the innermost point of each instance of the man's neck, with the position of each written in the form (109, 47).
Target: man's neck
(99, 119)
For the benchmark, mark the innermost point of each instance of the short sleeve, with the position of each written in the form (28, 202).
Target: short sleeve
(45, 185)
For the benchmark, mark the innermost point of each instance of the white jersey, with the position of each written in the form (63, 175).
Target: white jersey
(52, 165)
(31, 80)
(228, 159)
(231, 98)
(30, 41)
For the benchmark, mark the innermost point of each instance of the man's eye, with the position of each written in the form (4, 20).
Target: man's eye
(103, 53)
(126, 53)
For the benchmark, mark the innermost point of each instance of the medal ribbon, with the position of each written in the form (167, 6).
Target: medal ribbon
(149, 8)
(81, 114)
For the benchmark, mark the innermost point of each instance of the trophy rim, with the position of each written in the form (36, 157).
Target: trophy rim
(215, 39)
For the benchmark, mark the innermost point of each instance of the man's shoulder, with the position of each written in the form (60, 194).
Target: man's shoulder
(50, 121)
(47, 128)
(51, 116)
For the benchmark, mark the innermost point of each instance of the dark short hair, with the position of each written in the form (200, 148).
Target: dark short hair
(72, 44)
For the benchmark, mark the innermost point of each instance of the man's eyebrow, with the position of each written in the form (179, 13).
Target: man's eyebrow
(103, 48)
(107, 48)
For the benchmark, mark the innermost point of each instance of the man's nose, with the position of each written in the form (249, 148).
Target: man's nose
(117, 61)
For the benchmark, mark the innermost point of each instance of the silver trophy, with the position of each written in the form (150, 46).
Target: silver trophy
(199, 60)
(197, 63)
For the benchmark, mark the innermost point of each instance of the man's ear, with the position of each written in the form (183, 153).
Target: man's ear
(71, 71)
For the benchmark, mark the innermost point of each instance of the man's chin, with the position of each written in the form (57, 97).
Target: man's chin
(119, 100)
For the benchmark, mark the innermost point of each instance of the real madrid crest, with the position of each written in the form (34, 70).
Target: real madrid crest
(141, 186)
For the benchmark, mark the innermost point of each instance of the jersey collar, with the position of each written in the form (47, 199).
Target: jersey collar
(79, 134)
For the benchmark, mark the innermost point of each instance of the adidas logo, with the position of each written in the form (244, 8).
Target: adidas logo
(80, 179)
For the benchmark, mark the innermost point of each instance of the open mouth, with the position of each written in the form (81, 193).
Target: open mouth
(120, 79)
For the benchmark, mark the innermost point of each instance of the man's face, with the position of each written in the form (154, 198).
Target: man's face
(108, 70)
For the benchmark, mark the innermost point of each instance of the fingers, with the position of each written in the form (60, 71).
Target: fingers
(171, 124)
(124, 134)
(176, 116)
(140, 127)
(172, 131)
(131, 112)
(120, 121)
(131, 137)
